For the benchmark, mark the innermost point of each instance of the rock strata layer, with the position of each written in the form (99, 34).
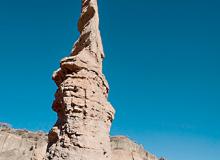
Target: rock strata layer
(26, 145)
(125, 149)
(84, 113)
(22, 145)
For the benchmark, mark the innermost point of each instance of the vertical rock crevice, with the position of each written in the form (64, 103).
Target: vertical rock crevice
(81, 101)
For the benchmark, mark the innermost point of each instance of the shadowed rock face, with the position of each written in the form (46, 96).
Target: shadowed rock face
(26, 145)
(84, 113)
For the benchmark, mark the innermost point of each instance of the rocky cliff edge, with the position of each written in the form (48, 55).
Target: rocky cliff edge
(18, 144)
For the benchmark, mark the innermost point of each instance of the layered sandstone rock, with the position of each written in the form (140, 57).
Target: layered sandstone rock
(125, 149)
(22, 144)
(84, 113)
(26, 145)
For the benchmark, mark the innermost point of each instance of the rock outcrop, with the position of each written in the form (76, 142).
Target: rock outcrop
(125, 149)
(26, 145)
(84, 113)
(22, 144)
(81, 103)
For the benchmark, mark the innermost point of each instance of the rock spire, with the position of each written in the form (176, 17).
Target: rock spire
(84, 113)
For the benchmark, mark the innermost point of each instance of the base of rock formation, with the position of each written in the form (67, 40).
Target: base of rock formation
(26, 145)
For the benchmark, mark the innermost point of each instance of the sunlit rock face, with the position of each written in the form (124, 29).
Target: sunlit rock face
(125, 149)
(21, 144)
(84, 113)
(25, 145)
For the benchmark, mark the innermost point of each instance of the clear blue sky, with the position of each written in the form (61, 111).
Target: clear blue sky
(162, 63)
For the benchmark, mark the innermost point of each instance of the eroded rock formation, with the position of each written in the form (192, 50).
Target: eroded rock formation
(84, 113)
(26, 145)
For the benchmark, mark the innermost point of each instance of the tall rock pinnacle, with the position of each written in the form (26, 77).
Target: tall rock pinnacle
(84, 113)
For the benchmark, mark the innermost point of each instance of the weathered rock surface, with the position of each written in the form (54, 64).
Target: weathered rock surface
(84, 113)
(81, 103)
(125, 149)
(26, 145)
(22, 145)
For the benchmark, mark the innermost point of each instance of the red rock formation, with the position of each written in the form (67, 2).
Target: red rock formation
(84, 113)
